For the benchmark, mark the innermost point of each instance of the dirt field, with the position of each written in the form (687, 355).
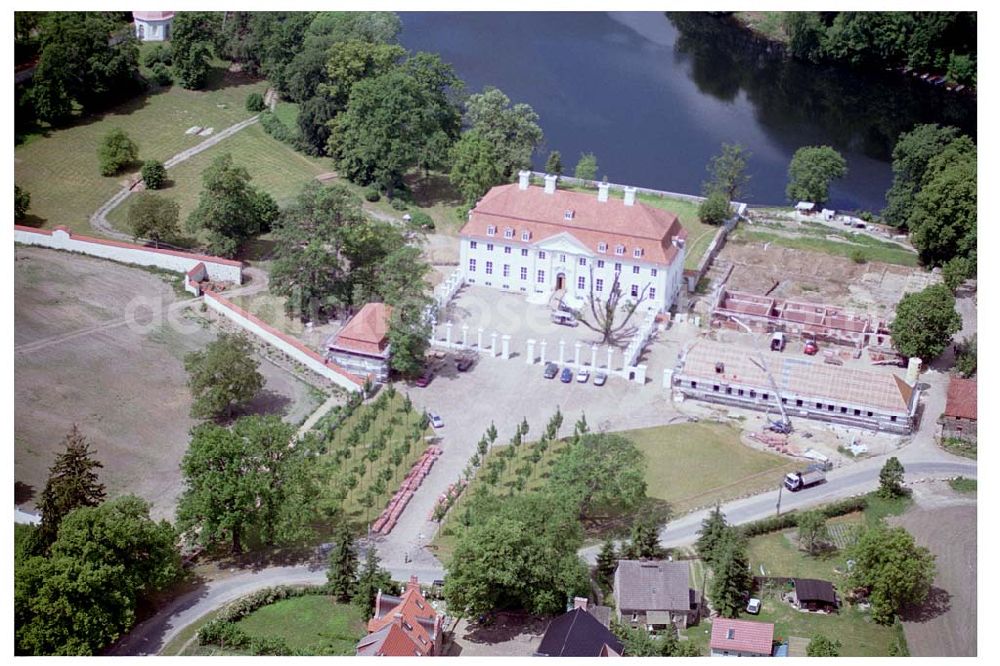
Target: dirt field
(507, 635)
(817, 277)
(945, 626)
(87, 351)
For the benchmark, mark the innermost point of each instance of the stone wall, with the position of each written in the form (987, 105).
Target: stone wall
(60, 238)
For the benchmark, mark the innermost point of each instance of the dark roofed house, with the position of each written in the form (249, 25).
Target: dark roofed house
(655, 594)
(362, 345)
(741, 638)
(578, 634)
(961, 412)
(815, 595)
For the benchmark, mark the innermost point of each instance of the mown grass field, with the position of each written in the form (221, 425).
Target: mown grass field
(815, 238)
(60, 167)
(313, 624)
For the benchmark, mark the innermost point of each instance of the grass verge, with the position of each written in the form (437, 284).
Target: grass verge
(960, 447)
(848, 246)
(312, 624)
(963, 485)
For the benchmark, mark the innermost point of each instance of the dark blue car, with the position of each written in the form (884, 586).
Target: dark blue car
(566, 376)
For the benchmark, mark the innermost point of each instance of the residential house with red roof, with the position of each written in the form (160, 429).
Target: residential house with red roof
(741, 638)
(152, 26)
(362, 345)
(534, 240)
(405, 626)
(961, 411)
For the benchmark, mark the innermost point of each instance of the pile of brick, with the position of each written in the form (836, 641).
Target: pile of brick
(387, 519)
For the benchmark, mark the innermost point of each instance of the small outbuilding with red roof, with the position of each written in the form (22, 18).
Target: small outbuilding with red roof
(741, 638)
(405, 626)
(362, 345)
(961, 411)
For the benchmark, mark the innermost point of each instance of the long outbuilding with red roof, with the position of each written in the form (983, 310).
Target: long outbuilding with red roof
(530, 239)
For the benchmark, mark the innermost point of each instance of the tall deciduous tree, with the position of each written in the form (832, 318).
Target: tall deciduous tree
(715, 208)
(811, 171)
(925, 322)
(512, 129)
(72, 483)
(409, 334)
(894, 570)
(602, 472)
(821, 646)
(612, 314)
(194, 34)
(586, 167)
(246, 482)
(116, 151)
(475, 166)
(912, 153)
(812, 530)
(728, 172)
(943, 219)
(230, 208)
(890, 479)
(222, 376)
(154, 217)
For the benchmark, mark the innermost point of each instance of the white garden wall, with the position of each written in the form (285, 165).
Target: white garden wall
(223, 270)
(286, 344)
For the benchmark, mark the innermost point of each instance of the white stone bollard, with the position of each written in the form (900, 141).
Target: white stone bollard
(668, 379)
(447, 334)
(465, 336)
(576, 356)
(562, 351)
(493, 343)
(593, 357)
(542, 351)
(640, 373)
(479, 340)
(505, 344)
(611, 352)
(531, 351)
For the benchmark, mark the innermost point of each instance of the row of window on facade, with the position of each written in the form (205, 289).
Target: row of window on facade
(798, 403)
(562, 258)
(581, 282)
(602, 247)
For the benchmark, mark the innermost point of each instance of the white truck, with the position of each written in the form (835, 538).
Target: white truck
(813, 475)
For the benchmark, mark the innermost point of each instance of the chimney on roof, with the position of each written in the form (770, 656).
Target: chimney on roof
(397, 619)
(414, 584)
(550, 183)
(524, 179)
(629, 196)
(602, 192)
(913, 371)
(580, 602)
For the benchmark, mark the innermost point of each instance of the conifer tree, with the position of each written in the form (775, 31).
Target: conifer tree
(72, 483)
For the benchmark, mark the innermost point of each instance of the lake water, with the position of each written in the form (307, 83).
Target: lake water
(654, 97)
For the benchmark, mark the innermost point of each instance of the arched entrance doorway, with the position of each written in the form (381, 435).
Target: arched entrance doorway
(560, 282)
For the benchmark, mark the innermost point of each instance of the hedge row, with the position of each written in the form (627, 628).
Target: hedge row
(224, 632)
(791, 519)
(279, 130)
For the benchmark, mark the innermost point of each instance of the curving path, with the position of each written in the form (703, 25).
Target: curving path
(99, 220)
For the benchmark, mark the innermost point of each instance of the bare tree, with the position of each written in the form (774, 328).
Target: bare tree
(605, 312)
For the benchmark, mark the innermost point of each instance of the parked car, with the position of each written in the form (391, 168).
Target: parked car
(551, 370)
(564, 318)
(567, 376)
(424, 379)
(778, 341)
(464, 363)
(754, 606)
(811, 348)
(600, 378)
(436, 420)
(583, 375)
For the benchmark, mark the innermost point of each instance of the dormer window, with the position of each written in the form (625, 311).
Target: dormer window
(637, 252)
(602, 247)
(619, 250)
(508, 233)
(491, 230)
(568, 214)
(526, 236)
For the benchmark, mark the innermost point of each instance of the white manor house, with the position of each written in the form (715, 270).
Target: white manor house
(535, 240)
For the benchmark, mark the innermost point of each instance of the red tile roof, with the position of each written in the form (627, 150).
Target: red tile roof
(755, 637)
(544, 215)
(408, 634)
(962, 398)
(366, 332)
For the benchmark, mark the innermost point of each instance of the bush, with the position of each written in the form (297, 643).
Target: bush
(398, 204)
(714, 209)
(421, 220)
(255, 102)
(791, 519)
(372, 195)
(160, 54)
(153, 174)
(867, 216)
(161, 75)
(279, 130)
(858, 256)
(116, 151)
(22, 201)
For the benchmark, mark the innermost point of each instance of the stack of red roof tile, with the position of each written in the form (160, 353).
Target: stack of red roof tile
(388, 518)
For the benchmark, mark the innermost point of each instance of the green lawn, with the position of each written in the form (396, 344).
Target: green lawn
(696, 464)
(313, 624)
(960, 447)
(275, 167)
(963, 485)
(815, 239)
(60, 170)
(769, 24)
(287, 113)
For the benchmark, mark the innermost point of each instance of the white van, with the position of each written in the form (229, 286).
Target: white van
(564, 318)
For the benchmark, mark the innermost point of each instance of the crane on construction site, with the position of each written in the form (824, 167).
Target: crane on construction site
(784, 426)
